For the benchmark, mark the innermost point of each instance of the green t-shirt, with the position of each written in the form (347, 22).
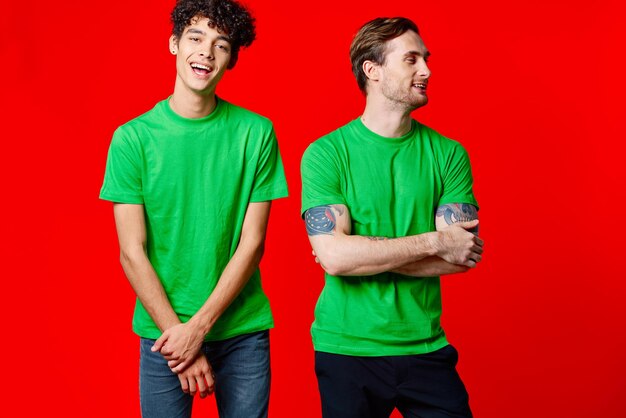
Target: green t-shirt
(392, 187)
(195, 178)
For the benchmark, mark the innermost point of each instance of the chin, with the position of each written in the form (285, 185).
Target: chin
(419, 103)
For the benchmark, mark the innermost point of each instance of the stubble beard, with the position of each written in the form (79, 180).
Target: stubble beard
(401, 99)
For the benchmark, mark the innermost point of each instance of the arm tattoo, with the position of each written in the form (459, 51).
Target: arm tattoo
(458, 212)
(321, 220)
(376, 238)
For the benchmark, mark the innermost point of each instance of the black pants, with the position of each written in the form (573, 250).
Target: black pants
(420, 386)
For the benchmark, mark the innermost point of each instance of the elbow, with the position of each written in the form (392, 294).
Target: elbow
(125, 259)
(130, 257)
(259, 250)
(331, 269)
(335, 257)
(334, 266)
(253, 246)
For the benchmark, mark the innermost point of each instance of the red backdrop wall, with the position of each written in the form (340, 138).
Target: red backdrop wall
(534, 91)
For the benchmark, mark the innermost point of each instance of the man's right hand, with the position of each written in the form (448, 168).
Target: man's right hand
(198, 377)
(458, 246)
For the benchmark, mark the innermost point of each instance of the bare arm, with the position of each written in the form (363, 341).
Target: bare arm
(181, 343)
(343, 254)
(131, 231)
(446, 216)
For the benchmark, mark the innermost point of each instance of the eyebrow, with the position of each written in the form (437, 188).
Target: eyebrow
(419, 54)
(201, 32)
(225, 38)
(196, 31)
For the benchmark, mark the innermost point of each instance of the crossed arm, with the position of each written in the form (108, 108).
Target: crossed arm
(453, 248)
(180, 343)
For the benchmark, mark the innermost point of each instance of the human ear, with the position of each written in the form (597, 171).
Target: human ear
(371, 70)
(173, 44)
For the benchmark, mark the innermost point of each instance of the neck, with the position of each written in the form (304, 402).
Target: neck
(190, 104)
(385, 118)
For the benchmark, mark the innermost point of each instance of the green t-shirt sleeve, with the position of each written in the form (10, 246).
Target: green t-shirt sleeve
(269, 180)
(321, 179)
(122, 178)
(457, 177)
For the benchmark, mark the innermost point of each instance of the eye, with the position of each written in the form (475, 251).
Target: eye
(194, 39)
(411, 60)
(222, 47)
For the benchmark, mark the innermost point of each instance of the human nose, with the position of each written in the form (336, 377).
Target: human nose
(207, 52)
(424, 71)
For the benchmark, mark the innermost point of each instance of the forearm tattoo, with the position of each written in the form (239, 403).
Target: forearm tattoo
(458, 212)
(321, 220)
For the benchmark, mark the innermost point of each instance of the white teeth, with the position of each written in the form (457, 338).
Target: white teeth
(204, 67)
(420, 85)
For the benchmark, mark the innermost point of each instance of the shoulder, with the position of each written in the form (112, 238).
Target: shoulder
(435, 137)
(129, 132)
(246, 117)
(330, 144)
(440, 144)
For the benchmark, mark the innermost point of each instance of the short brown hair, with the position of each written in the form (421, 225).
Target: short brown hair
(369, 43)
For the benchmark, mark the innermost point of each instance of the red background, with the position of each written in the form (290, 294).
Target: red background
(532, 89)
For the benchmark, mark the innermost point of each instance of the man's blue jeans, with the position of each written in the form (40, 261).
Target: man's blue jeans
(242, 379)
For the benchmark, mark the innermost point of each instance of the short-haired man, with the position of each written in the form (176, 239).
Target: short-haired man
(192, 181)
(388, 207)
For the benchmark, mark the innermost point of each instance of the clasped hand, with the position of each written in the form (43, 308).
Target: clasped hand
(179, 345)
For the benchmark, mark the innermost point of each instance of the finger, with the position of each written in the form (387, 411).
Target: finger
(477, 249)
(169, 356)
(210, 380)
(183, 383)
(467, 225)
(471, 263)
(173, 363)
(167, 351)
(479, 241)
(178, 366)
(192, 386)
(159, 342)
(476, 257)
(201, 384)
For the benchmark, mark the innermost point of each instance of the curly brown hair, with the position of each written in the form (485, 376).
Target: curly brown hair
(228, 16)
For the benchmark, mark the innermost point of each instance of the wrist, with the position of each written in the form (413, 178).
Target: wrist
(199, 326)
(434, 243)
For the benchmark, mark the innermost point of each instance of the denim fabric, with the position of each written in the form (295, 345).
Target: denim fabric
(242, 379)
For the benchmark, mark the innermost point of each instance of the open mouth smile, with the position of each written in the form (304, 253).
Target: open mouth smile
(201, 69)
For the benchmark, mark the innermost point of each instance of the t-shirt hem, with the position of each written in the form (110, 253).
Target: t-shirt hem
(323, 201)
(155, 334)
(117, 198)
(469, 199)
(418, 348)
(271, 195)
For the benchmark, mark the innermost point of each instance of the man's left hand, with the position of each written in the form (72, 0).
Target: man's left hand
(179, 345)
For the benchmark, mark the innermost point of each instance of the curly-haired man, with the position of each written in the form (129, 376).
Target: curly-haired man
(389, 207)
(192, 182)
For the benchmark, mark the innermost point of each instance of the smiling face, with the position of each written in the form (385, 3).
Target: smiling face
(403, 78)
(202, 56)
